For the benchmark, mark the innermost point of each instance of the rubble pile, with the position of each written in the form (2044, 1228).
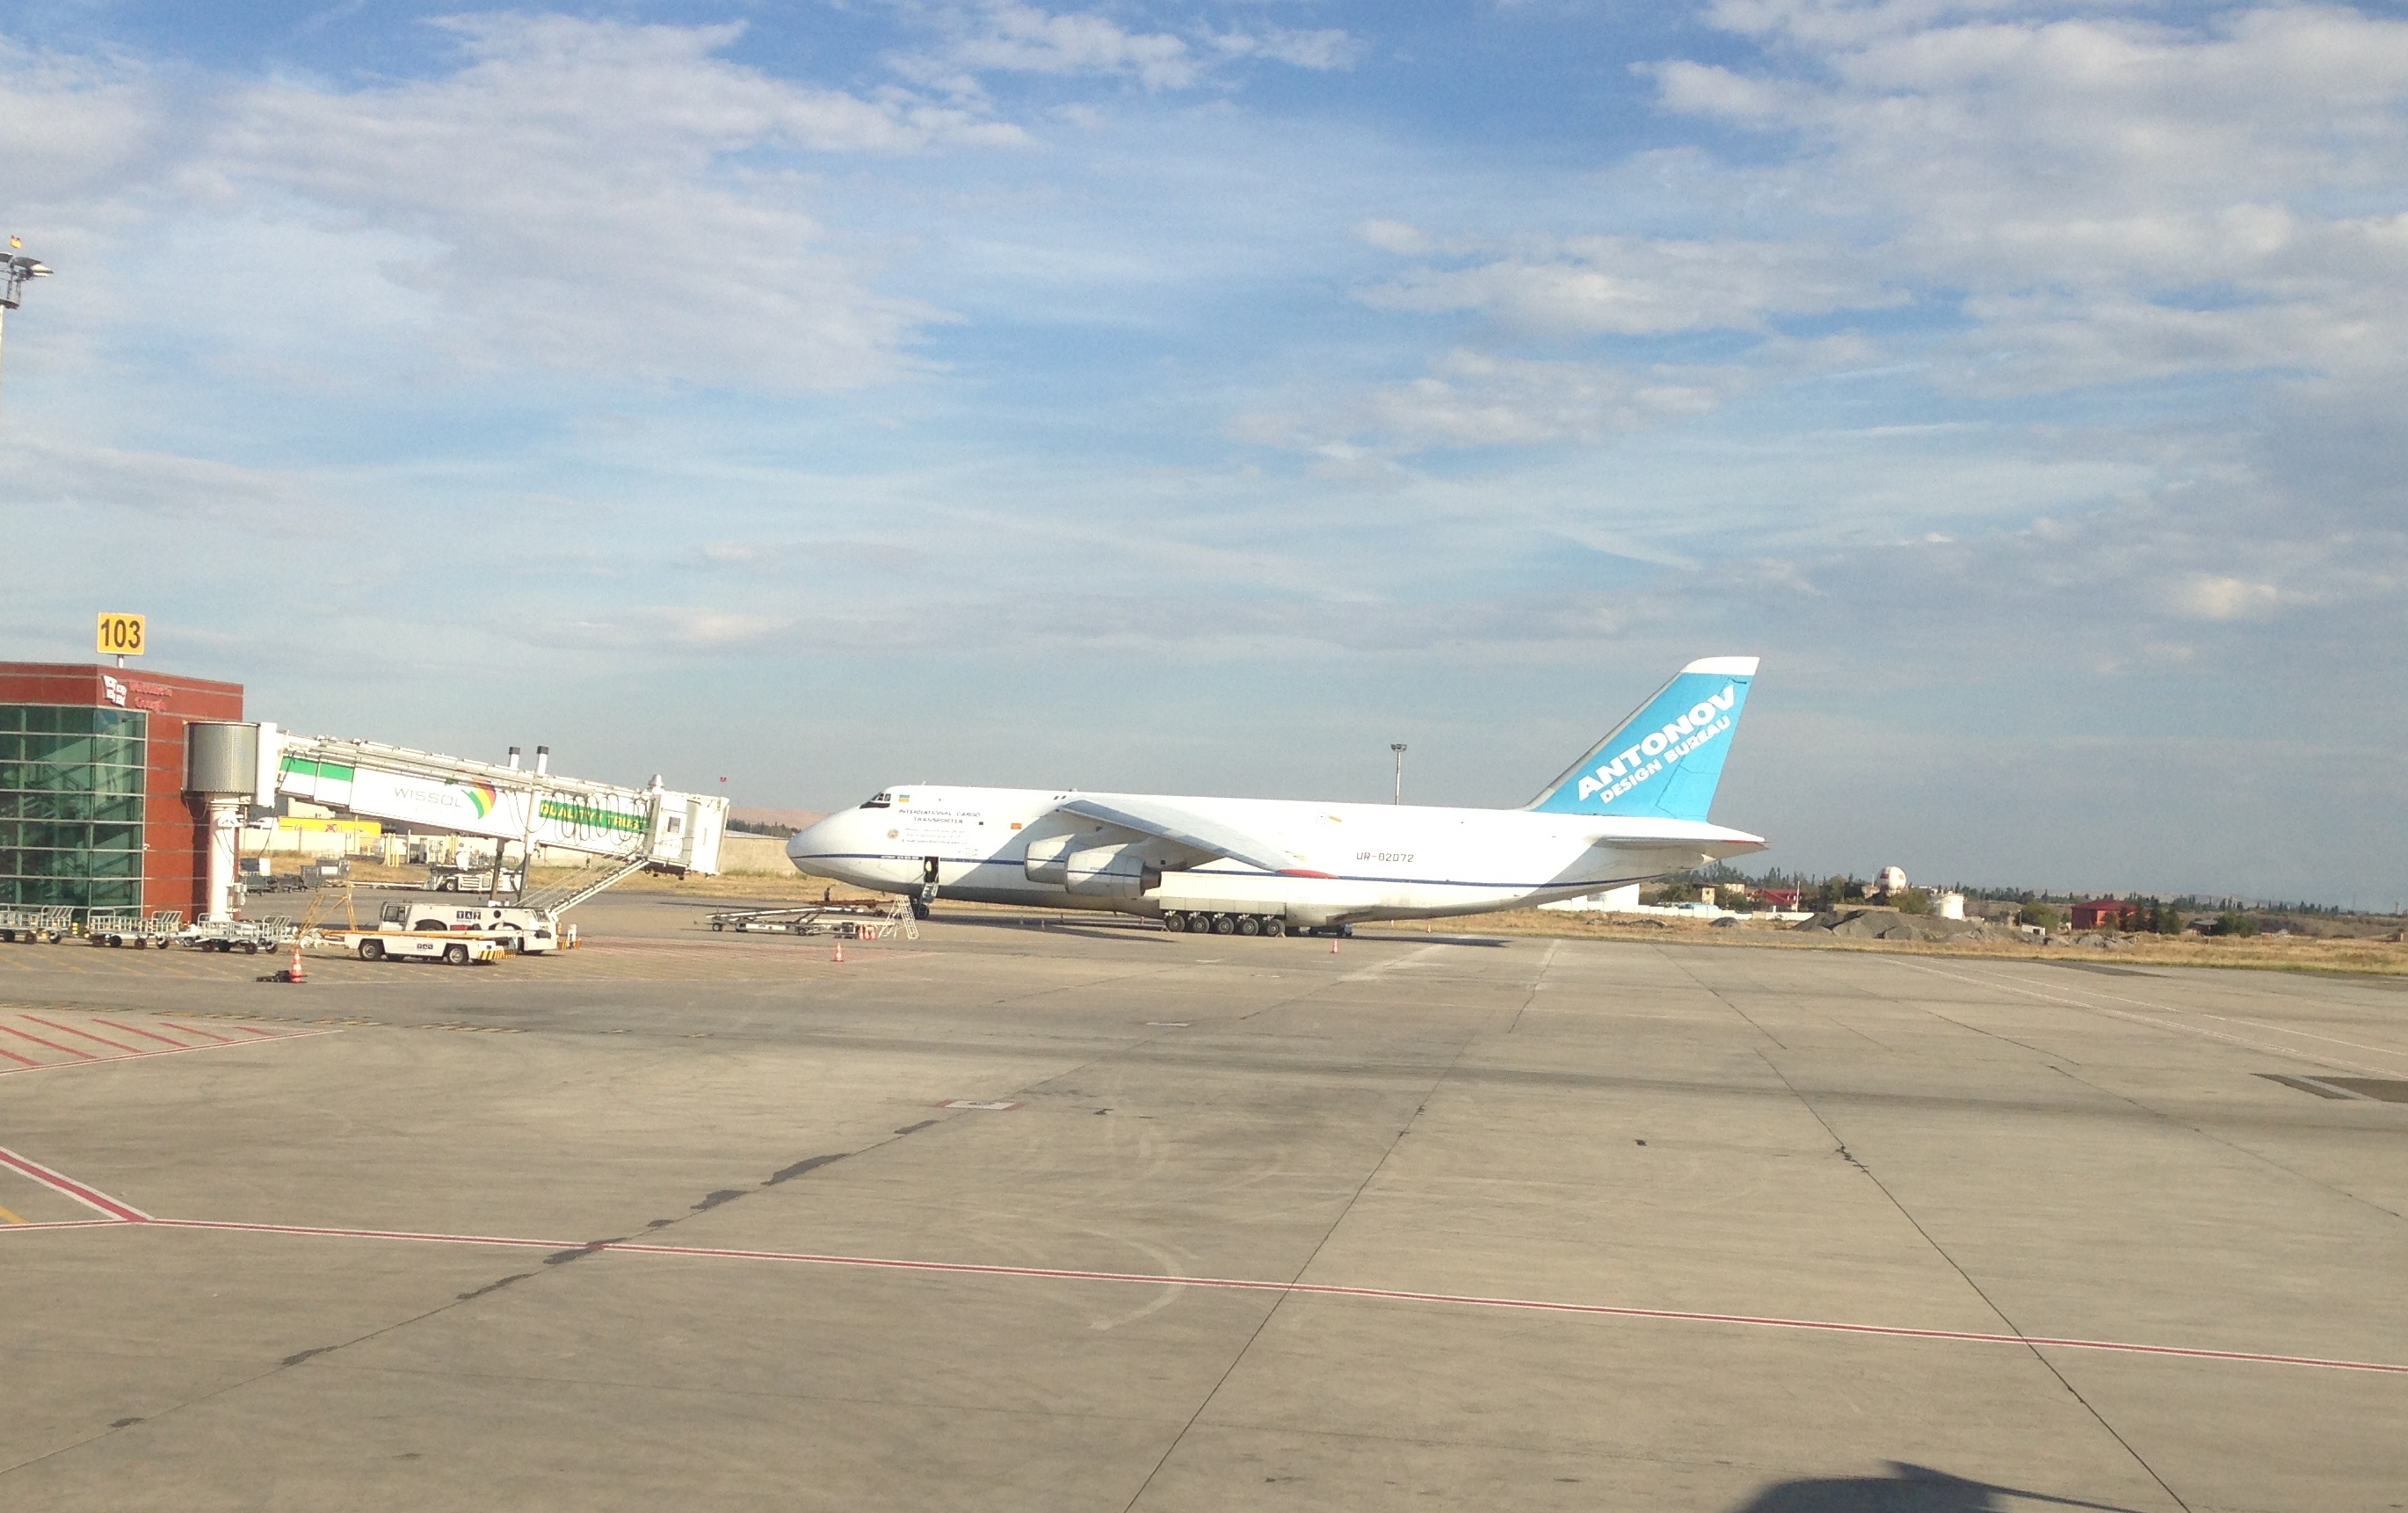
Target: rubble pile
(1889, 924)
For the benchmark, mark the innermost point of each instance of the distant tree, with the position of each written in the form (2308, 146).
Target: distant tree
(2234, 923)
(760, 827)
(1912, 900)
(2166, 919)
(2037, 913)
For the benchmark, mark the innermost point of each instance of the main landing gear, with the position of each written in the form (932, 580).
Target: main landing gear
(1175, 921)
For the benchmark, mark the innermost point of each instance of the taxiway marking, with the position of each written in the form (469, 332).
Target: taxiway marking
(2155, 1022)
(92, 1198)
(125, 1213)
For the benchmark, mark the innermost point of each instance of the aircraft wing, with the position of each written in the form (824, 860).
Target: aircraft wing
(1186, 827)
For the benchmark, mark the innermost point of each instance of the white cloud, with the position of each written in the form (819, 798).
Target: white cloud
(572, 190)
(2116, 199)
(1007, 37)
(2202, 596)
(1319, 51)
(67, 123)
(1630, 285)
(608, 201)
(42, 476)
(1478, 399)
(1013, 38)
(2064, 204)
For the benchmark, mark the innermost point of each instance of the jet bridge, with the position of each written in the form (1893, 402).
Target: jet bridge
(627, 829)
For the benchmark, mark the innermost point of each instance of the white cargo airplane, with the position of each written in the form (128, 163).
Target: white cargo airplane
(1634, 807)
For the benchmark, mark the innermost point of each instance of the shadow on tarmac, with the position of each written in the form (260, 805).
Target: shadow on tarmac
(1908, 1489)
(1106, 927)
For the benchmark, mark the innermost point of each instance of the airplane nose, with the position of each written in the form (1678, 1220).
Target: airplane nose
(829, 848)
(816, 839)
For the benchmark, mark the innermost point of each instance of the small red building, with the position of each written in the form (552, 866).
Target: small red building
(1784, 899)
(93, 809)
(2108, 914)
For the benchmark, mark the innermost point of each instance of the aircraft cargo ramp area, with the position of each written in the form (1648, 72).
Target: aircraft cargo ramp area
(1095, 1217)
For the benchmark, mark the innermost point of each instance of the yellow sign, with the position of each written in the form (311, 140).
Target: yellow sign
(333, 827)
(122, 636)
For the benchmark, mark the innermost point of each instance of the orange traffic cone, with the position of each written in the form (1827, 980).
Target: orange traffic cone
(1333, 945)
(294, 973)
(839, 949)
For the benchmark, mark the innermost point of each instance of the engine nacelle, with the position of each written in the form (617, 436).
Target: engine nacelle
(1048, 860)
(1110, 871)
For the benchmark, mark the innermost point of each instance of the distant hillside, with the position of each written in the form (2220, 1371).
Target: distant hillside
(743, 817)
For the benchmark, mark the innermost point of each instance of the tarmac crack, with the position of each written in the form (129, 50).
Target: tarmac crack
(1720, 997)
(1537, 982)
(1954, 1264)
(1421, 1106)
(2258, 1156)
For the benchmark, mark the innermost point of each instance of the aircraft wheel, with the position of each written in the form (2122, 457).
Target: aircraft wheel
(1224, 924)
(1173, 920)
(1275, 927)
(1249, 925)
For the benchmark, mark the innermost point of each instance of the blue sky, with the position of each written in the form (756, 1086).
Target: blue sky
(1201, 397)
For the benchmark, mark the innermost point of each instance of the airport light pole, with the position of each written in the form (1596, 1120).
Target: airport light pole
(18, 271)
(1398, 747)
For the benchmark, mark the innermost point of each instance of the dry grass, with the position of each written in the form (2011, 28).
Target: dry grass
(2292, 953)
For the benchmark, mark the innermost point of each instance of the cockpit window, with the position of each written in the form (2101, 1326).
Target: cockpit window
(881, 802)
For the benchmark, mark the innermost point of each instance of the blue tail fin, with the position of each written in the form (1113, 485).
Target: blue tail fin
(1664, 761)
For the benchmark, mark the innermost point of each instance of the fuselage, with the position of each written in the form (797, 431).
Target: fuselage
(1353, 862)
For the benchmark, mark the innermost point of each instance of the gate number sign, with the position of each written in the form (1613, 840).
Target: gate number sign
(122, 636)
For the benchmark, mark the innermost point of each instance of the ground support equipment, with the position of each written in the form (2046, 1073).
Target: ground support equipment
(49, 923)
(845, 922)
(249, 937)
(115, 927)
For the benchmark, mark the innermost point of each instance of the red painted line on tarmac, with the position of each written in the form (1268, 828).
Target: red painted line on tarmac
(145, 1034)
(1305, 1290)
(189, 1030)
(69, 1029)
(52, 1044)
(92, 1198)
(22, 1060)
(144, 1055)
(507, 1242)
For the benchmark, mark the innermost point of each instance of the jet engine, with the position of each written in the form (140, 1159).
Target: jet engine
(1048, 860)
(1111, 871)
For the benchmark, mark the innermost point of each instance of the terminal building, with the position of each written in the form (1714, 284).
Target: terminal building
(93, 808)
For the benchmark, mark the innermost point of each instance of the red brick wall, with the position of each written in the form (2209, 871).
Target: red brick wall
(175, 862)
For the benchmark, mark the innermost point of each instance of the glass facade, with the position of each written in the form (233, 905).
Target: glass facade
(71, 781)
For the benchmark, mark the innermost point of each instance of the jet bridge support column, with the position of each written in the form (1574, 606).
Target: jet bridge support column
(221, 768)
